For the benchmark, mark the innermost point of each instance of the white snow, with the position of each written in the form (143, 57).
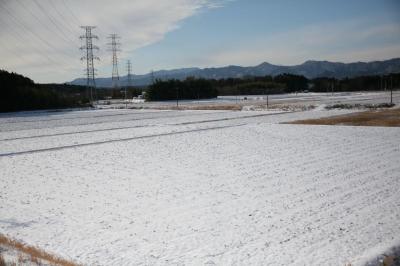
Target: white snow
(299, 99)
(118, 187)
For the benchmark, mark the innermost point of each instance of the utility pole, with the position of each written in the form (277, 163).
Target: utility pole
(89, 57)
(391, 89)
(177, 97)
(385, 80)
(114, 48)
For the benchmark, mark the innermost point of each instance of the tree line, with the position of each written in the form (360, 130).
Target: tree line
(21, 93)
(190, 88)
(362, 83)
(198, 88)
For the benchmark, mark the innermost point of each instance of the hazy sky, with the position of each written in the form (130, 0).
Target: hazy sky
(40, 38)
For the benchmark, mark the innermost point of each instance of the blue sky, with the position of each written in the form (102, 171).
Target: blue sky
(167, 34)
(242, 25)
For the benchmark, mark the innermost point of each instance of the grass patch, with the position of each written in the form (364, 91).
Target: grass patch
(34, 254)
(231, 107)
(2, 261)
(381, 118)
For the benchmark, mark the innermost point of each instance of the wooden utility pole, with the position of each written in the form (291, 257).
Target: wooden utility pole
(391, 89)
(177, 97)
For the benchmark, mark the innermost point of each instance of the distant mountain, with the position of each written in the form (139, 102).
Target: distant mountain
(309, 69)
(142, 80)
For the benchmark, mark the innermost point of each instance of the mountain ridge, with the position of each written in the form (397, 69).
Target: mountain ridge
(310, 69)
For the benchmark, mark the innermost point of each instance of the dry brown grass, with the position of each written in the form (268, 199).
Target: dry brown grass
(388, 261)
(231, 107)
(2, 261)
(381, 118)
(35, 254)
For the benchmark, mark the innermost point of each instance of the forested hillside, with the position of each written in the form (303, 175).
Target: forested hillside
(20, 93)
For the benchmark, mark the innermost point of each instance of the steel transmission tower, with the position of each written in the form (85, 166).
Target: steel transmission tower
(89, 57)
(129, 79)
(152, 77)
(129, 69)
(114, 48)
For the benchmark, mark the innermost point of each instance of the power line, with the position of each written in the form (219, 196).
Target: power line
(15, 53)
(29, 31)
(53, 21)
(24, 28)
(71, 28)
(89, 56)
(75, 18)
(45, 25)
(71, 12)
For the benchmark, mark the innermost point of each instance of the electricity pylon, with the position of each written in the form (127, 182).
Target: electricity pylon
(89, 57)
(152, 77)
(129, 69)
(129, 79)
(114, 48)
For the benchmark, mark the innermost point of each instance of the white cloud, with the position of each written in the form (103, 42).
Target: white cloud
(346, 41)
(39, 38)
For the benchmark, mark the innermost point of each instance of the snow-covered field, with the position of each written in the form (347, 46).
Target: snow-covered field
(148, 187)
(306, 99)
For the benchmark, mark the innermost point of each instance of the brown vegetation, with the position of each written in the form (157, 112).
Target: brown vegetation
(381, 118)
(231, 107)
(35, 254)
(2, 261)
